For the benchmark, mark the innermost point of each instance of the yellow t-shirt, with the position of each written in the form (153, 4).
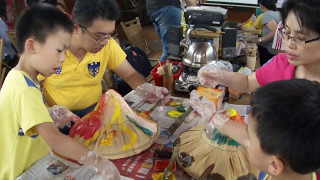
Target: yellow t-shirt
(21, 108)
(258, 24)
(78, 85)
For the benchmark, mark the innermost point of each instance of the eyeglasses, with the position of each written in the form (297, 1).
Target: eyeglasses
(296, 40)
(99, 39)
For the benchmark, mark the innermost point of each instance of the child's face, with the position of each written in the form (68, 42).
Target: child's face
(299, 52)
(50, 55)
(258, 158)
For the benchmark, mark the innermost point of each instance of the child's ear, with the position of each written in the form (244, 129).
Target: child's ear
(276, 166)
(30, 46)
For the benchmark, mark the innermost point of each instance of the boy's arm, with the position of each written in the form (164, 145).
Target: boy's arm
(59, 142)
(236, 131)
(68, 147)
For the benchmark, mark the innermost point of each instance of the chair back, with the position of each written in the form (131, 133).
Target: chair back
(2, 75)
(133, 30)
(1, 51)
(12, 37)
(2, 70)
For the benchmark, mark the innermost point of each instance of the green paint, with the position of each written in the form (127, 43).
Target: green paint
(223, 139)
(145, 130)
(181, 109)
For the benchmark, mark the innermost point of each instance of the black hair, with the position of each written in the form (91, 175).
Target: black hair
(287, 116)
(39, 22)
(52, 2)
(3, 9)
(269, 4)
(32, 3)
(307, 12)
(86, 11)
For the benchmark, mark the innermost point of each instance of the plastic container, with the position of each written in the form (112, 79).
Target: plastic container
(158, 80)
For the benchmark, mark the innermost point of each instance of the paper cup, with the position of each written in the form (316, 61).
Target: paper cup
(251, 62)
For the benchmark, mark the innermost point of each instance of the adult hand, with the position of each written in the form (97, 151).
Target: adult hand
(103, 166)
(213, 74)
(61, 116)
(153, 93)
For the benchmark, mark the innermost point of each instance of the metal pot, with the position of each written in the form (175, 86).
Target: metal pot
(198, 54)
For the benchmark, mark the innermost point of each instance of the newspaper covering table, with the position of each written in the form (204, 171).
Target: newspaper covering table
(140, 166)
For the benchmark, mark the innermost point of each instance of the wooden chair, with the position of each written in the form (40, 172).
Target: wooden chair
(134, 32)
(2, 70)
(12, 37)
(2, 76)
(1, 51)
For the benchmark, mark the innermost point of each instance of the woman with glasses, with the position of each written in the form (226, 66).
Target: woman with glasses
(301, 33)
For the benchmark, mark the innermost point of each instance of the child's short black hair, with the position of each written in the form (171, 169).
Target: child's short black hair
(39, 22)
(86, 11)
(307, 12)
(287, 116)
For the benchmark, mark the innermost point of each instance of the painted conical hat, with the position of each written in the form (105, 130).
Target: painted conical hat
(197, 152)
(114, 130)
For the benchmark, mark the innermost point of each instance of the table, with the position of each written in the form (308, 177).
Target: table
(140, 166)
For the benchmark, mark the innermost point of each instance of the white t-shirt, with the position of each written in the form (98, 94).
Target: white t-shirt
(278, 42)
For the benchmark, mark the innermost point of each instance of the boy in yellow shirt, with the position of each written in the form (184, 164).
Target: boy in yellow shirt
(28, 132)
(77, 84)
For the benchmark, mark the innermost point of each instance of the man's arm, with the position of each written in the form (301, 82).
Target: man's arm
(59, 142)
(129, 74)
(68, 147)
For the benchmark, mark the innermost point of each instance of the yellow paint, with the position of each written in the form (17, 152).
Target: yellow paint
(232, 112)
(146, 165)
(175, 114)
(159, 176)
(118, 116)
(176, 103)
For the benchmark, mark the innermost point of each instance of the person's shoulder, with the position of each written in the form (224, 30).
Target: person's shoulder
(21, 79)
(269, 15)
(278, 62)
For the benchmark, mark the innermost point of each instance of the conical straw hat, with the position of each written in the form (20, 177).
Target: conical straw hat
(230, 159)
(114, 130)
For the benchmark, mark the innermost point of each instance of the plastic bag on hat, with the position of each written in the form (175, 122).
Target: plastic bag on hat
(114, 130)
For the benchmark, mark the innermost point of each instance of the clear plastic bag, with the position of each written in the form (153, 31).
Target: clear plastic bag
(211, 74)
(114, 130)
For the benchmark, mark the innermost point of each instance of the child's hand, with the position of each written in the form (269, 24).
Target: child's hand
(61, 116)
(203, 109)
(103, 166)
(216, 123)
